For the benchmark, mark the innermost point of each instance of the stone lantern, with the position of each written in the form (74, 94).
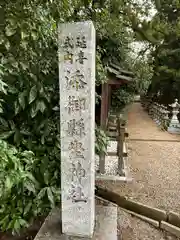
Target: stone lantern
(174, 126)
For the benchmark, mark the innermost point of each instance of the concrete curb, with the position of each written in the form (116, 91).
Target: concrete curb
(139, 208)
(115, 178)
(169, 221)
(174, 219)
(170, 228)
(146, 219)
(162, 224)
(150, 212)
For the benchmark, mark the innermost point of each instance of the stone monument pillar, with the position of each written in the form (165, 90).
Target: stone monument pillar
(77, 120)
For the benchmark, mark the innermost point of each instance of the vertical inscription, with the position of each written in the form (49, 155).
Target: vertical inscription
(77, 123)
(76, 127)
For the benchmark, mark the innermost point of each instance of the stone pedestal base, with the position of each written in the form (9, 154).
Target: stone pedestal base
(105, 226)
(173, 130)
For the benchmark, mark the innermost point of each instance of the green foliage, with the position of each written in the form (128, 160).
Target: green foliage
(164, 35)
(112, 34)
(22, 195)
(102, 141)
(30, 71)
(166, 79)
(143, 70)
(122, 97)
(30, 65)
(100, 70)
(29, 96)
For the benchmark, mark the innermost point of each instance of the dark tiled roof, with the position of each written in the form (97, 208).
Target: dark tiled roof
(120, 73)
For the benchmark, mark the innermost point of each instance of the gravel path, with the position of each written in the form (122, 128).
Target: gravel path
(154, 165)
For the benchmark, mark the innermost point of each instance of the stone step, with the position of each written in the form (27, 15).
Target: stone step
(105, 225)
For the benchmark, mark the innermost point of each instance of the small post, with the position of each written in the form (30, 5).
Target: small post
(120, 140)
(102, 162)
(157, 113)
(161, 112)
(104, 115)
(166, 117)
(151, 109)
(154, 111)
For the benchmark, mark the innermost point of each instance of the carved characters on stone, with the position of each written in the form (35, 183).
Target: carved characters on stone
(75, 80)
(76, 127)
(76, 149)
(76, 192)
(70, 44)
(81, 57)
(81, 42)
(76, 104)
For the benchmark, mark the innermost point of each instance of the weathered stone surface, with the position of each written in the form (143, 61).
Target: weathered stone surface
(170, 228)
(105, 226)
(106, 223)
(77, 115)
(173, 130)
